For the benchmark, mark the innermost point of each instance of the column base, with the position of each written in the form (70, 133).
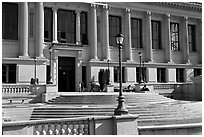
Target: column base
(25, 56)
(40, 57)
(130, 60)
(95, 59)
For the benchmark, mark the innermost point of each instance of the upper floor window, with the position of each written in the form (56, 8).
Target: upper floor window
(156, 35)
(9, 21)
(174, 36)
(117, 74)
(161, 75)
(48, 24)
(8, 73)
(66, 26)
(179, 75)
(136, 33)
(114, 29)
(192, 37)
(83, 28)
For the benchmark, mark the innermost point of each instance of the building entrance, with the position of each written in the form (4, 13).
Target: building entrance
(66, 74)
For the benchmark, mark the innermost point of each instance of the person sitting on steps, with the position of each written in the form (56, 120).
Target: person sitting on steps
(144, 88)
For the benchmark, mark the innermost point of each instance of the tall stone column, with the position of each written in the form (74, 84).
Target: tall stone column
(148, 41)
(168, 38)
(78, 38)
(93, 32)
(24, 29)
(128, 40)
(54, 10)
(106, 50)
(185, 40)
(39, 29)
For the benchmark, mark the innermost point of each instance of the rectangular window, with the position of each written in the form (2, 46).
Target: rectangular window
(192, 38)
(161, 75)
(136, 33)
(9, 21)
(114, 29)
(197, 72)
(83, 28)
(156, 35)
(117, 73)
(179, 75)
(66, 26)
(8, 73)
(84, 76)
(143, 73)
(174, 36)
(48, 23)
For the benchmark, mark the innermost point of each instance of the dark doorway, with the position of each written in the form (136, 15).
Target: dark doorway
(66, 74)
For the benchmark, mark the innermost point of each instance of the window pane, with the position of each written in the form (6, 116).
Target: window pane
(10, 21)
(114, 28)
(66, 24)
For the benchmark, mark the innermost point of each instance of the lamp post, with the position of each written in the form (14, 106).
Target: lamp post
(140, 70)
(108, 61)
(143, 72)
(35, 79)
(121, 109)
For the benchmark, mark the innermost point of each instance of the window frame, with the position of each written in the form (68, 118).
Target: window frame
(8, 72)
(84, 28)
(114, 29)
(174, 30)
(66, 27)
(116, 74)
(48, 23)
(192, 38)
(10, 24)
(156, 35)
(180, 75)
(136, 33)
(161, 75)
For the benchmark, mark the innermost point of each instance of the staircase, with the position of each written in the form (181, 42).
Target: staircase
(153, 109)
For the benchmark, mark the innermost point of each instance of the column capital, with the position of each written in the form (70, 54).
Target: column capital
(54, 8)
(168, 16)
(185, 18)
(106, 7)
(77, 11)
(129, 11)
(149, 13)
(94, 5)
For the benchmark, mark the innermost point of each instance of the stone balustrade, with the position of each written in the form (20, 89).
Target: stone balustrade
(62, 128)
(164, 86)
(97, 125)
(10, 89)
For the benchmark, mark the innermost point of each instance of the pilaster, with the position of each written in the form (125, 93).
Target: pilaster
(93, 32)
(148, 41)
(106, 50)
(168, 38)
(185, 40)
(54, 9)
(78, 39)
(128, 40)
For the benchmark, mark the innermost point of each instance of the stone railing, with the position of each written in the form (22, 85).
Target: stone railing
(164, 86)
(97, 125)
(13, 88)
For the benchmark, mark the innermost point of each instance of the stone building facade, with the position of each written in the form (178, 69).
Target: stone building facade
(67, 43)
